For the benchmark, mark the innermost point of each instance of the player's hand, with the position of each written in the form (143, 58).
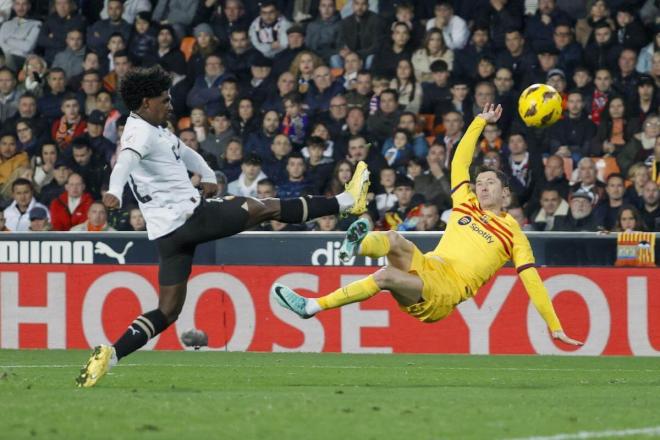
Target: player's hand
(110, 201)
(565, 339)
(491, 113)
(209, 189)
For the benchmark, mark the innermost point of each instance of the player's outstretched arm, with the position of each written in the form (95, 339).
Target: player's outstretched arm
(127, 160)
(541, 300)
(460, 164)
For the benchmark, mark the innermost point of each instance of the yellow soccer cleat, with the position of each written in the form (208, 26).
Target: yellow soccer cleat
(97, 366)
(358, 188)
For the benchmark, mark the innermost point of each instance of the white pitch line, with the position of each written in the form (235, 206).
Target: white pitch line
(352, 367)
(647, 432)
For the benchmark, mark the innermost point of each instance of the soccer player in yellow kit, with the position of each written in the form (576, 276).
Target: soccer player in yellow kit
(480, 238)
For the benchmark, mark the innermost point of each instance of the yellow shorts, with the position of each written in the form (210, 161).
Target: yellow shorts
(442, 288)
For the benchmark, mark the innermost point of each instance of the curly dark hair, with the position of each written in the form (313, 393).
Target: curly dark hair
(141, 83)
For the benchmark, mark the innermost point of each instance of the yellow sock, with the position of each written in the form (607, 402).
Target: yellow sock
(354, 292)
(375, 245)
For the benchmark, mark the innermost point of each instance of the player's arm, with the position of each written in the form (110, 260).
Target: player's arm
(460, 164)
(127, 160)
(196, 163)
(523, 258)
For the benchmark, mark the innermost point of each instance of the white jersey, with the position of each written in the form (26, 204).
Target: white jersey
(160, 179)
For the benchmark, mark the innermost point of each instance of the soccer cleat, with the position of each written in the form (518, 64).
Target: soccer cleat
(354, 236)
(289, 299)
(358, 188)
(97, 365)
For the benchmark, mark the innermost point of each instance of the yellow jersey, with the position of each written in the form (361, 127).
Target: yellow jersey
(477, 242)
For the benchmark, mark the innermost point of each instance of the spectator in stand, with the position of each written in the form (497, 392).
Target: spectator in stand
(91, 167)
(546, 61)
(553, 207)
(382, 123)
(645, 58)
(167, 51)
(645, 100)
(630, 31)
(241, 55)
(398, 216)
(571, 136)
(385, 198)
(650, 212)
(220, 135)
(433, 184)
(97, 220)
(189, 137)
(604, 51)
(9, 95)
(453, 123)
(99, 33)
(268, 30)
(434, 49)
(454, 29)
(43, 164)
(570, 52)
(207, 86)
(70, 208)
(638, 174)
(91, 83)
(246, 122)
(580, 216)
(466, 59)
(18, 36)
(296, 183)
(360, 32)
(10, 158)
(435, 91)
(260, 142)
(599, 13)
(251, 174)
(607, 211)
(230, 165)
(460, 102)
(71, 58)
(70, 125)
(16, 215)
(121, 66)
(143, 39)
(410, 91)
(275, 162)
(52, 190)
(136, 220)
(430, 219)
(500, 16)
(587, 180)
(361, 93)
(57, 25)
(321, 91)
(539, 27)
(553, 178)
(389, 55)
(205, 44)
(616, 128)
(627, 77)
(629, 220)
(318, 167)
(327, 223)
(295, 45)
(323, 32)
(50, 103)
(177, 13)
(295, 123)
(39, 220)
(640, 146)
(601, 94)
(341, 175)
(26, 141)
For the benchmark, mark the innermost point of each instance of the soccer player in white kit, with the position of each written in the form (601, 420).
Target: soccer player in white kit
(155, 164)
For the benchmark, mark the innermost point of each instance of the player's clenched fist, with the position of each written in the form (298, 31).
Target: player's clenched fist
(110, 201)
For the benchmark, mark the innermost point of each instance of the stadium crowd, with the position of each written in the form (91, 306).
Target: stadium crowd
(282, 98)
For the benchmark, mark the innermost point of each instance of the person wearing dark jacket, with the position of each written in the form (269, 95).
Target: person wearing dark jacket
(553, 178)
(93, 169)
(223, 20)
(517, 57)
(499, 16)
(607, 211)
(260, 142)
(99, 33)
(53, 32)
(604, 50)
(580, 216)
(467, 59)
(388, 55)
(360, 32)
(240, 57)
(323, 33)
(539, 28)
(630, 31)
(571, 136)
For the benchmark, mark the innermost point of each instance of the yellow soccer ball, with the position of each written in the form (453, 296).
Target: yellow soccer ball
(539, 105)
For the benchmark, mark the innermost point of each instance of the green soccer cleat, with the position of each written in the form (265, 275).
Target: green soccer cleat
(96, 367)
(354, 236)
(358, 187)
(289, 299)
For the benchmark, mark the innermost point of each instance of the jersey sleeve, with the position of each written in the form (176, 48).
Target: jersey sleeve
(460, 164)
(523, 259)
(136, 140)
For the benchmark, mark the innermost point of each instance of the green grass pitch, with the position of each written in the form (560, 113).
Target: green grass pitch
(219, 395)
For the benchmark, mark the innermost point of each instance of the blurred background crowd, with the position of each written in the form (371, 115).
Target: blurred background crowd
(282, 98)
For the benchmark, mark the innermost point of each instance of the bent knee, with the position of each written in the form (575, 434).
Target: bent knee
(385, 276)
(263, 209)
(397, 242)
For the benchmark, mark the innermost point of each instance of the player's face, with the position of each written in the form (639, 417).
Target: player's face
(490, 192)
(156, 110)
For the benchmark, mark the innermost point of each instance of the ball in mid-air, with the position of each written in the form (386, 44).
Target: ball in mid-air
(539, 105)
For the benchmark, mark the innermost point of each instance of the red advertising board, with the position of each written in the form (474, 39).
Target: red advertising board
(615, 311)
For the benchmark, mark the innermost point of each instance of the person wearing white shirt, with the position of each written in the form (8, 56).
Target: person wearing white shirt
(17, 215)
(155, 163)
(454, 28)
(18, 36)
(251, 174)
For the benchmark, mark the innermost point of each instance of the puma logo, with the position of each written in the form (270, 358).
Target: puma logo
(103, 249)
(134, 331)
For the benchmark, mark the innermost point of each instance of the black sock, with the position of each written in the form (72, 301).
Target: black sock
(307, 208)
(144, 327)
